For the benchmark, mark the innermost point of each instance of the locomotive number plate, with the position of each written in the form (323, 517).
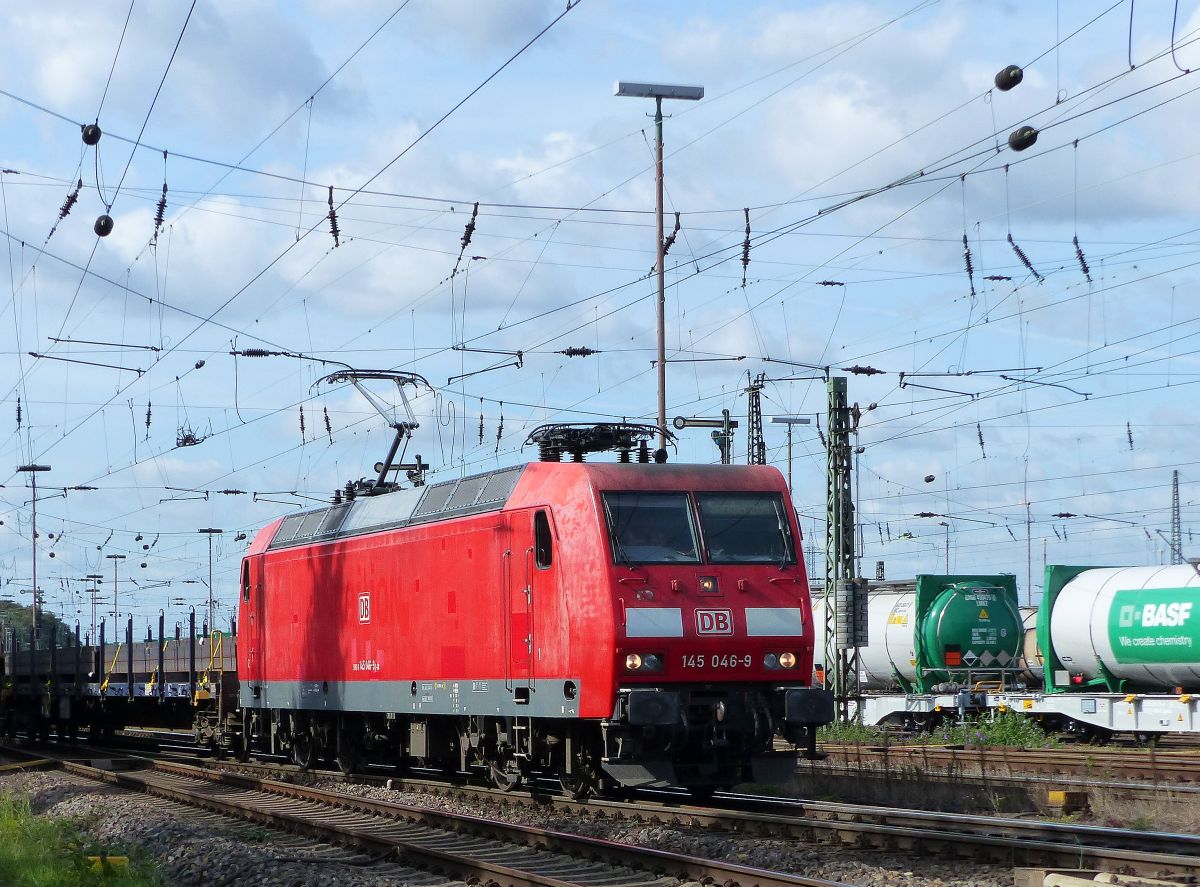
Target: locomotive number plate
(716, 660)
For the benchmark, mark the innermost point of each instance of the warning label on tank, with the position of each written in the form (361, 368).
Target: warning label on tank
(1160, 625)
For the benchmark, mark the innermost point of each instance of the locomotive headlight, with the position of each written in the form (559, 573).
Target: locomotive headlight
(643, 662)
(708, 584)
(787, 660)
(719, 711)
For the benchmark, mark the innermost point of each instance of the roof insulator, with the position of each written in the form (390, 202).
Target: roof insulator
(1009, 77)
(1022, 137)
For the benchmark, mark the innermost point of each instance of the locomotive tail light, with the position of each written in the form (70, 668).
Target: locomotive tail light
(719, 711)
(708, 584)
(771, 660)
(651, 662)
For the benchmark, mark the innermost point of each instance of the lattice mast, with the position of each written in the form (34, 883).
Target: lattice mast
(844, 625)
(1176, 523)
(756, 446)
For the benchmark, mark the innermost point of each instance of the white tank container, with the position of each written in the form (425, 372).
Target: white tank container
(1141, 623)
(891, 629)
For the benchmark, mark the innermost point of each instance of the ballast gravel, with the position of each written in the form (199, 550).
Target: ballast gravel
(191, 847)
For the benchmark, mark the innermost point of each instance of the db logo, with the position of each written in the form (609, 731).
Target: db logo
(714, 622)
(364, 607)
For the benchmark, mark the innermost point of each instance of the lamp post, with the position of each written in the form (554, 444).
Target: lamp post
(116, 611)
(95, 580)
(947, 526)
(33, 470)
(210, 532)
(789, 421)
(658, 92)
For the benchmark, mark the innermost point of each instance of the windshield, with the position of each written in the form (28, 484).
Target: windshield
(651, 528)
(745, 528)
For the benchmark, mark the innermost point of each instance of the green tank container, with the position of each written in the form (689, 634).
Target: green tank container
(948, 630)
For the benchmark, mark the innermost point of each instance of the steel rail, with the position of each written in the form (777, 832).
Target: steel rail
(1153, 765)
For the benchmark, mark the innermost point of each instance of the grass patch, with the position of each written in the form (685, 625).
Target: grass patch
(41, 852)
(840, 732)
(1004, 729)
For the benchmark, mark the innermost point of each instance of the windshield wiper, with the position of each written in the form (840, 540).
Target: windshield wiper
(783, 538)
(620, 552)
(618, 549)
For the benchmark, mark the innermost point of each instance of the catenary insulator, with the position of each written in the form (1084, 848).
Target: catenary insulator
(91, 133)
(623, 457)
(577, 455)
(1009, 77)
(1022, 137)
(104, 225)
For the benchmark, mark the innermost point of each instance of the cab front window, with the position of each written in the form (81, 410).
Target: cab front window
(746, 528)
(651, 528)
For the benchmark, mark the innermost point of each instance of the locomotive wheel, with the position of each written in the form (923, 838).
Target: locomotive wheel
(348, 754)
(505, 775)
(583, 782)
(304, 750)
(304, 743)
(580, 785)
(244, 749)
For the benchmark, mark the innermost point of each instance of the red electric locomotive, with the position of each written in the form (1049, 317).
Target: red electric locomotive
(631, 623)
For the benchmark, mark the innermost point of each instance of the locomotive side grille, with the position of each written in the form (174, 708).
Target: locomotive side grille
(287, 530)
(435, 498)
(312, 521)
(467, 492)
(333, 518)
(500, 485)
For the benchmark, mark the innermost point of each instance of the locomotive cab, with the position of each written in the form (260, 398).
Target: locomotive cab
(717, 643)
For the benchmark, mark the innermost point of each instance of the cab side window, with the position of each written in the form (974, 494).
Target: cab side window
(245, 580)
(542, 543)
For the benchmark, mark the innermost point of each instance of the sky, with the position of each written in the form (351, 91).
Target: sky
(1035, 392)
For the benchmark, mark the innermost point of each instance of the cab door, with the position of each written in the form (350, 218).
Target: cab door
(530, 588)
(253, 620)
(517, 604)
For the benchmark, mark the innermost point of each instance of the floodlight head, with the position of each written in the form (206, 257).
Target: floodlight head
(657, 91)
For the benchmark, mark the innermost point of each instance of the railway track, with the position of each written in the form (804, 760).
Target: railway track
(1083, 762)
(450, 845)
(980, 838)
